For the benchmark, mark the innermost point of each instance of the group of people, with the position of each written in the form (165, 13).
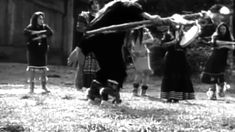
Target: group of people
(103, 57)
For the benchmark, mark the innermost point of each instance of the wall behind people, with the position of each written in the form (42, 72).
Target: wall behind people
(15, 15)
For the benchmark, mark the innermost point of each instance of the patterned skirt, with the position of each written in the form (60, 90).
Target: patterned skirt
(180, 89)
(91, 66)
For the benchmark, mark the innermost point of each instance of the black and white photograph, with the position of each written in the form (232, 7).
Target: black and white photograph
(117, 66)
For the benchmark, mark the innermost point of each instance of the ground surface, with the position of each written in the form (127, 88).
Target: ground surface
(65, 109)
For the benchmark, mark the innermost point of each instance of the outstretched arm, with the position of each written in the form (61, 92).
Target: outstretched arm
(157, 19)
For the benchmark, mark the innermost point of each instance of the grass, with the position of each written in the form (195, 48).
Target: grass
(66, 110)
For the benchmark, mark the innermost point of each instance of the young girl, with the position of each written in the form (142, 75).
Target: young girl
(37, 33)
(214, 72)
(176, 84)
(141, 60)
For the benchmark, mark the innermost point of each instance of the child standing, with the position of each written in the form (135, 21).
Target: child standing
(141, 59)
(37, 33)
(214, 72)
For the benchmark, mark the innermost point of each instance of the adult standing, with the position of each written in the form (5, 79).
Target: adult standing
(176, 83)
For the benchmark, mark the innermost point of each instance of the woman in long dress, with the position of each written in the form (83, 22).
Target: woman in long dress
(176, 84)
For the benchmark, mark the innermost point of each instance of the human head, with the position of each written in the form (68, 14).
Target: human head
(82, 22)
(37, 19)
(94, 5)
(168, 35)
(222, 29)
(217, 13)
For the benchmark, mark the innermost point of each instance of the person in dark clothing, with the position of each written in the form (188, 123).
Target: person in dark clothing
(214, 70)
(37, 34)
(217, 15)
(176, 84)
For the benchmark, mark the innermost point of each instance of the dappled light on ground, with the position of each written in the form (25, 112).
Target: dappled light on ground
(66, 109)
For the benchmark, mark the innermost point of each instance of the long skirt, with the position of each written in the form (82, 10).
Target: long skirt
(214, 71)
(176, 83)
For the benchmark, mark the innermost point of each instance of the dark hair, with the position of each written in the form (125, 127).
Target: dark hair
(216, 8)
(83, 17)
(34, 17)
(92, 2)
(226, 36)
(137, 34)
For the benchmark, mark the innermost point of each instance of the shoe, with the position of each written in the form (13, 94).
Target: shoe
(46, 92)
(221, 92)
(135, 89)
(211, 95)
(31, 92)
(168, 100)
(135, 92)
(144, 90)
(175, 101)
(143, 93)
(105, 104)
(91, 102)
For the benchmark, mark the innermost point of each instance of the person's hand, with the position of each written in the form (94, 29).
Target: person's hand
(43, 36)
(73, 58)
(38, 32)
(204, 13)
(232, 47)
(156, 19)
(179, 19)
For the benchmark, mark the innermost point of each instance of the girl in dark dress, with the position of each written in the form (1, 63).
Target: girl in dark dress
(176, 84)
(214, 70)
(37, 33)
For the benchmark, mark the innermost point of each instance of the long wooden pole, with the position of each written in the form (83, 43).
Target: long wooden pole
(130, 25)
(119, 27)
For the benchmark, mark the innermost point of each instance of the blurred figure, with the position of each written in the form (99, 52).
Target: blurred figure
(108, 49)
(141, 60)
(176, 84)
(217, 15)
(37, 33)
(87, 65)
(214, 72)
